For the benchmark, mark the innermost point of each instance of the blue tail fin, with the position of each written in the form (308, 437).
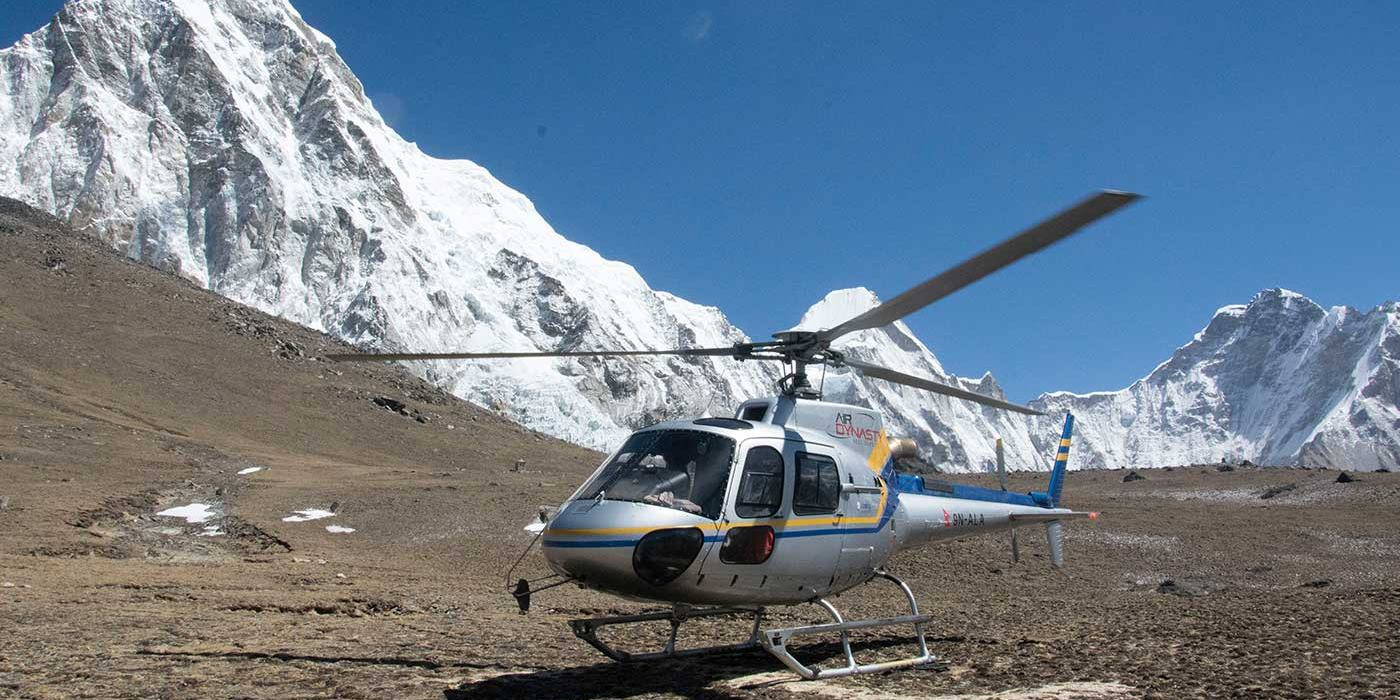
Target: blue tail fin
(1057, 473)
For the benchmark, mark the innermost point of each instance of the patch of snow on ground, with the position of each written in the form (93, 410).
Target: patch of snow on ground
(302, 516)
(249, 470)
(211, 531)
(192, 513)
(338, 529)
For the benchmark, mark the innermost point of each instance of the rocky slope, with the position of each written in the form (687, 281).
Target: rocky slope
(227, 141)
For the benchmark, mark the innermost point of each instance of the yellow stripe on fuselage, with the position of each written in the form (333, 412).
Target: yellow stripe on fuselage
(879, 454)
(776, 524)
(1064, 442)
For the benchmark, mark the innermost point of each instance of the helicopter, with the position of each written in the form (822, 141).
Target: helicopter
(792, 500)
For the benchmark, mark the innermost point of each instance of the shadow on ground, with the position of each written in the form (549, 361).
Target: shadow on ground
(696, 678)
(402, 662)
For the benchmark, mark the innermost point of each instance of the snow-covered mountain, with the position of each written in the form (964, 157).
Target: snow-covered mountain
(227, 141)
(1278, 381)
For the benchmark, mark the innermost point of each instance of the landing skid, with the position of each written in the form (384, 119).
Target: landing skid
(587, 630)
(774, 642)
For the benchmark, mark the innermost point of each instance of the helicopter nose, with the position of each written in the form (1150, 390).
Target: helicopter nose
(604, 547)
(656, 559)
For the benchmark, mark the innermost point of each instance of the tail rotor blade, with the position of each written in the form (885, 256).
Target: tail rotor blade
(889, 375)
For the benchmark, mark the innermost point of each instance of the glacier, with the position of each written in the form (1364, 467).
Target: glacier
(226, 141)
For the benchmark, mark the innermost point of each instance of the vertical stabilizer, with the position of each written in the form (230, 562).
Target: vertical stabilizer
(1057, 473)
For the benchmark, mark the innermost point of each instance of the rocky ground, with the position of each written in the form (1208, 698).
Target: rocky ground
(125, 392)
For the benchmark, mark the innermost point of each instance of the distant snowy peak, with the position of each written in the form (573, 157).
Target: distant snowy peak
(952, 434)
(842, 305)
(1280, 380)
(837, 307)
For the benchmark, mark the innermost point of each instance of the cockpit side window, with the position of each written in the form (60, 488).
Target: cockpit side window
(761, 487)
(818, 488)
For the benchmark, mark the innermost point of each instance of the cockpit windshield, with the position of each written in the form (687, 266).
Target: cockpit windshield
(682, 469)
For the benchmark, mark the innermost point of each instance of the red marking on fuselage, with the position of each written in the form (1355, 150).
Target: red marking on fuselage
(846, 427)
(847, 430)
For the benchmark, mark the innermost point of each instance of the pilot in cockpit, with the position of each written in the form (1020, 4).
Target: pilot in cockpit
(673, 485)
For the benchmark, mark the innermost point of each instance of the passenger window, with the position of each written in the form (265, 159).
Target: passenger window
(818, 485)
(761, 488)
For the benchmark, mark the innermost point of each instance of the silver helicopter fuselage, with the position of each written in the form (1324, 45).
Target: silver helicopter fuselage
(791, 500)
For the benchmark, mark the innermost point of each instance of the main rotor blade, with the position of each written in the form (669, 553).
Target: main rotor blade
(889, 375)
(1029, 241)
(397, 356)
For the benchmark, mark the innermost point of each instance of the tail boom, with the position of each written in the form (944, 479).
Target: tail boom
(934, 510)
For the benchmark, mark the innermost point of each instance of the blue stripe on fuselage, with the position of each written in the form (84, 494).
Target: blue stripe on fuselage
(911, 484)
(577, 544)
(776, 535)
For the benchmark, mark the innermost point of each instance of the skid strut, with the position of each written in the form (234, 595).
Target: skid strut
(587, 630)
(776, 641)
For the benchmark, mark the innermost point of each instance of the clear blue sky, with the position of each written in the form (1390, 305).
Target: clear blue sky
(755, 155)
